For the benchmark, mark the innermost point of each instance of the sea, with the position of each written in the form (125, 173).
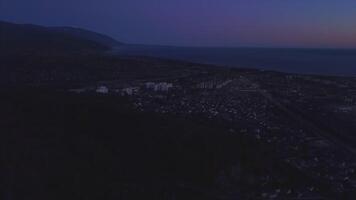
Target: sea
(335, 62)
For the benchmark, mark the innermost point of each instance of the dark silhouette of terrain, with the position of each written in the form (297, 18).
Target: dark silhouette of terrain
(65, 146)
(89, 35)
(33, 39)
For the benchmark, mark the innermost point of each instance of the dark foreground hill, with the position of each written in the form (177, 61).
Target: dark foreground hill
(33, 39)
(63, 146)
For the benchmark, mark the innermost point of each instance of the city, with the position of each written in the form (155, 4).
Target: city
(271, 108)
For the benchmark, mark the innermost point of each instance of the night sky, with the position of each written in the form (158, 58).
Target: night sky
(275, 23)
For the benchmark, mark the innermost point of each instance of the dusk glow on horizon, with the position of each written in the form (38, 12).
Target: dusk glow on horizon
(225, 23)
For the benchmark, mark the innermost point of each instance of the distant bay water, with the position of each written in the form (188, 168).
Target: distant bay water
(340, 62)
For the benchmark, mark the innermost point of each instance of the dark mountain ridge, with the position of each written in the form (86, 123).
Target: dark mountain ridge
(89, 35)
(29, 39)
